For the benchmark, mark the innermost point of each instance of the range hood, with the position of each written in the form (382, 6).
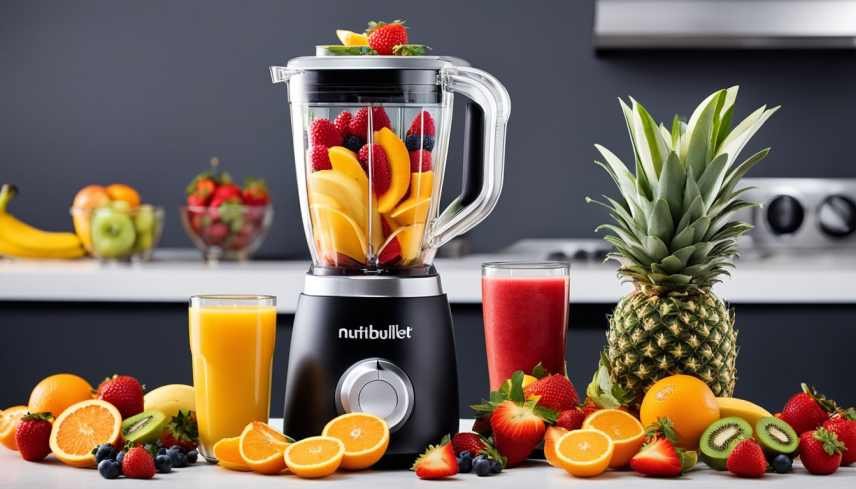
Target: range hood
(725, 24)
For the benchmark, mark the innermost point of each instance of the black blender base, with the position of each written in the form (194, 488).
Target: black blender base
(332, 334)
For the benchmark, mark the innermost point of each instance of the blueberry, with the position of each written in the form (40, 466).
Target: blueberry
(108, 469)
(104, 452)
(179, 461)
(465, 465)
(119, 457)
(173, 456)
(163, 464)
(177, 448)
(782, 464)
(161, 451)
(479, 457)
(495, 467)
(415, 141)
(354, 143)
(481, 467)
(192, 456)
(466, 454)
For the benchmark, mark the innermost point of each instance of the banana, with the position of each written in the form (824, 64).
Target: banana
(169, 399)
(749, 411)
(19, 239)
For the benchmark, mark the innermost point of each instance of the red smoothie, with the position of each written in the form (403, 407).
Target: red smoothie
(525, 320)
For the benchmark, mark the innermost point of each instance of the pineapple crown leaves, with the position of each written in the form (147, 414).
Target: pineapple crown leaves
(513, 391)
(671, 229)
(829, 440)
(603, 390)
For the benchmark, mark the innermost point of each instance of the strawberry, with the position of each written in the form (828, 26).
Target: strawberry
(423, 124)
(589, 407)
(843, 425)
(33, 435)
(359, 125)
(437, 461)
(747, 460)
(390, 254)
(821, 451)
(341, 122)
(470, 442)
(571, 419)
(124, 392)
(182, 431)
(555, 392)
(658, 459)
(381, 171)
(200, 190)
(517, 430)
(420, 160)
(226, 193)
(482, 425)
(807, 410)
(138, 464)
(323, 132)
(255, 192)
(384, 37)
(319, 158)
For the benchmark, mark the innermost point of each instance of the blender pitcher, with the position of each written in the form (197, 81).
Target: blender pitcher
(371, 135)
(373, 329)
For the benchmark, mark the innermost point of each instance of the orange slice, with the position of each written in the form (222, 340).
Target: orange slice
(262, 447)
(584, 453)
(8, 422)
(350, 38)
(316, 456)
(227, 451)
(551, 436)
(626, 432)
(364, 435)
(82, 427)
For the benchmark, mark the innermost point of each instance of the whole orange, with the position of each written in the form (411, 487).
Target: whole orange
(688, 403)
(120, 191)
(57, 392)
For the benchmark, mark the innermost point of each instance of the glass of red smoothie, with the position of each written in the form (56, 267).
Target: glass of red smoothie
(525, 308)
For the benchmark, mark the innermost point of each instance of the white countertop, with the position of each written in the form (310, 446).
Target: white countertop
(819, 279)
(51, 474)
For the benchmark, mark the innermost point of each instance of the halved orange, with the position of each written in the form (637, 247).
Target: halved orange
(82, 427)
(262, 447)
(626, 432)
(8, 423)
(316, 456)
(551, 436)
(584, 453)
(366, 438)
(227, 451)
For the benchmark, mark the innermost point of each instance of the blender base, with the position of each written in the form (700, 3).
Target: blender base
(390, 356)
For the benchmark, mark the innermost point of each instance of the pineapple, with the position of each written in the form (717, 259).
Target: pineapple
(673, 239)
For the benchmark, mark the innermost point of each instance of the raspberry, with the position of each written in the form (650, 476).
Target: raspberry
(420, 160)
(381, 176)
(341, 122)
(320, 158)
(359, 124)
(423, 123)
(324, 133)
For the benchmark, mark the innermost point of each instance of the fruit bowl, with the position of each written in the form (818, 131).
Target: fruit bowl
(230, 231)
(118, 231)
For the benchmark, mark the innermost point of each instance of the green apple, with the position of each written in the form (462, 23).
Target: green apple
(121, 206)
(145, 219)
(113, 233)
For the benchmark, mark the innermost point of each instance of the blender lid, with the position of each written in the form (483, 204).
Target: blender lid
(373, 62)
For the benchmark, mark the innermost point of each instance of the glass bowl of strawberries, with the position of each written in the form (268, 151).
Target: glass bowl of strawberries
(226, 221)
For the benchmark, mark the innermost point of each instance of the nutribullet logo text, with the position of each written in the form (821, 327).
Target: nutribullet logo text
(391, 332)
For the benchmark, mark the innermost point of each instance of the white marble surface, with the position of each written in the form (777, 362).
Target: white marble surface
(51, 474)
(785, 279)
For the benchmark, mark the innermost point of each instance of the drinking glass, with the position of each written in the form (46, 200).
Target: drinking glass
(525, 308)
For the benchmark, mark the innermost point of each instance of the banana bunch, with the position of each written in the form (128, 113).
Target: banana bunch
(19, 239)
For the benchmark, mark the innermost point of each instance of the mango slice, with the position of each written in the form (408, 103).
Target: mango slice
(338, 233)
(422, 184)
(413, 210)
(399, 163)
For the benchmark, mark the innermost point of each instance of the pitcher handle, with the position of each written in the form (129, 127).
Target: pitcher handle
(484, 152)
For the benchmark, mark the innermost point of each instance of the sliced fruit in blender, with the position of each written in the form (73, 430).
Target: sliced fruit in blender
(776, 436)
(345, 161)
(339, 233)
(380, 170)
(352, 199)
(719, 439)
(399, 162)
(413, 210)
(422, 184)
(366, 438)
(317, 198)
(262, 448)
(144, 427)
(410, 238)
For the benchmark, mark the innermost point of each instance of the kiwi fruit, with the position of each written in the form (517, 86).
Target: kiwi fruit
(776, 436)
(145, 427)
(720, 437)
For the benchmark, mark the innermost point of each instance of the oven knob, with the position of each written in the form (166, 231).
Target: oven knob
(785, 214)
(837, 216)
(378, 387)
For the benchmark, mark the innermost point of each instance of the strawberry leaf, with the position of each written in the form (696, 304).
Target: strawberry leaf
(829, 440)
(410, 49)
(662, 428)
(539, 372)
(545, 413)
(516, 392)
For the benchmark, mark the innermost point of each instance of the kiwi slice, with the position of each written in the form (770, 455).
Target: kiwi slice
(145, 427)
(776, 436)
(720, 437)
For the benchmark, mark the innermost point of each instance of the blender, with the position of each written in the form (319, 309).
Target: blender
(373, 328)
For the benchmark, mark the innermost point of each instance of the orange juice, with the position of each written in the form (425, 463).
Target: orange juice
(232, 340)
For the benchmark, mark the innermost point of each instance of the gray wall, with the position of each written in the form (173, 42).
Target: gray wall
(145, 92)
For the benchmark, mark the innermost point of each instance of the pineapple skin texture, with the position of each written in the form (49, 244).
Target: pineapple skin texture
(654, 335)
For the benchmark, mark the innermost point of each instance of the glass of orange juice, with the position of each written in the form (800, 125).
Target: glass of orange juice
(232, 339)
